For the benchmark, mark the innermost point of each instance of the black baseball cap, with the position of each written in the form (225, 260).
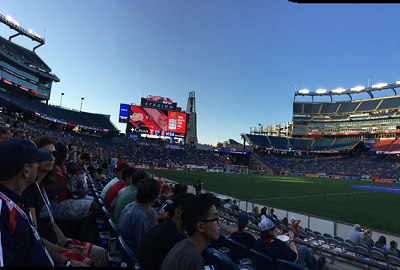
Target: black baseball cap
(16, 152)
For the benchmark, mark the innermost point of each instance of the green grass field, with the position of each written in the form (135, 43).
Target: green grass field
(323, 197)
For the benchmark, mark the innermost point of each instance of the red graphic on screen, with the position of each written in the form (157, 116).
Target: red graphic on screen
(147, 119)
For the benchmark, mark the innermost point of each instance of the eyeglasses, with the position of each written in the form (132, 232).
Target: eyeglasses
(211, 220)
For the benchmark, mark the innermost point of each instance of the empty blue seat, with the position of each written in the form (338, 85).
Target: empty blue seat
(222, 262)
(286, 265)
(237, 251)
(261, 261)
(128, 257)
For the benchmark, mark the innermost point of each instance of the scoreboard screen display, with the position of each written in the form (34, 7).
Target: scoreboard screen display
(155, 121)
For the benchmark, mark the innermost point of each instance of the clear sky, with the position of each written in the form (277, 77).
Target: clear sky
(243, 59)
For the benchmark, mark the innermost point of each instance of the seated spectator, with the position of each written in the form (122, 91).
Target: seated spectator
(166, 193)
(19, 133)
(160, 181)
(393, 247)
(133, 220)
(111, 197)
(263, 213)
(128, 195)
(355, 234)
(271, 212)
(240, 234)
(120, 160)
(156, 244)
(20, 244)
(118, 177)
(366, 238)
(83, 210)
(286, 223)
(234, 205)
(227, 203)
(84, 159)
(255, 212)
(61, 249)
(295, 224)
(176, 190)
(200, 218)
(100, 173)
(381, 244)
(61, 180)
(114, 162)
(270, 245)
(4, 133)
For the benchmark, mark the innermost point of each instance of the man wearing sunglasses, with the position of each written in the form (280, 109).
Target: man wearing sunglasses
(200, 218)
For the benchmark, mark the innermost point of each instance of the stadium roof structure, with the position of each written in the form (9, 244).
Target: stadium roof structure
(352, 91)
(7, 20)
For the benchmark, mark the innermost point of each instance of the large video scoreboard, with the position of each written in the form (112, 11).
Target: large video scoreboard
(151, 121)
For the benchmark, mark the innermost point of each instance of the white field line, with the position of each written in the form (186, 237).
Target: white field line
(310, 196)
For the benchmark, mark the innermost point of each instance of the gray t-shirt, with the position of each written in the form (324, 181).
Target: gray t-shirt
(183, 256)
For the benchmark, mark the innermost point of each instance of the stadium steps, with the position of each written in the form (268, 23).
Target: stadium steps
(265, 162)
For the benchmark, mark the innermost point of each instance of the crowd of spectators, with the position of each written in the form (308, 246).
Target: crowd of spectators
(45, 168)
(385, 168)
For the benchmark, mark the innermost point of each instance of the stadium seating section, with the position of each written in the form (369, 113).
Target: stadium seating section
(92, 120)
(23, 54)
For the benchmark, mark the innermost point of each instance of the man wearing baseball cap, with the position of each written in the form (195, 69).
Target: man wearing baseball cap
(270, 245)
(20, 242)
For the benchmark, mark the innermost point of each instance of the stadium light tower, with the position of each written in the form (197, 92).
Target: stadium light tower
(81, 102)
(191, 134)
(61, 99)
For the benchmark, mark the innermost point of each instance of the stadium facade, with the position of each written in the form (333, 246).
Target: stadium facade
(26, 83)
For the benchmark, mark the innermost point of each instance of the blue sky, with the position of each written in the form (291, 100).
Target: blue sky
(243, 59)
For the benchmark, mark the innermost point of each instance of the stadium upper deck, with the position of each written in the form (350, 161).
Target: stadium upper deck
(22, 71)
(366, 118)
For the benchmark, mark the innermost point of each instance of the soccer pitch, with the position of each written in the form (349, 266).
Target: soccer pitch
(323, 197)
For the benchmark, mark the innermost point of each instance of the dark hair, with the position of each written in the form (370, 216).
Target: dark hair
(266, 234)
(85, 156)
(179, 202)
(148, 190)
(242, 224)
(381, 241)
(121, 166)
(285, 221)
(393, 244)
(195, 209)
(3, 130)
(104, 165)
(179, 189)
(127, 172)
(40, 142)
(263, 212)
(17, 132)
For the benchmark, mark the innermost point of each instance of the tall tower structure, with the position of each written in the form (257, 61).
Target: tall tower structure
(191, 134)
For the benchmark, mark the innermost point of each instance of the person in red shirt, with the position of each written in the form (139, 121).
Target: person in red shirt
(120, 160)
(112, 195)
(295, 224)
